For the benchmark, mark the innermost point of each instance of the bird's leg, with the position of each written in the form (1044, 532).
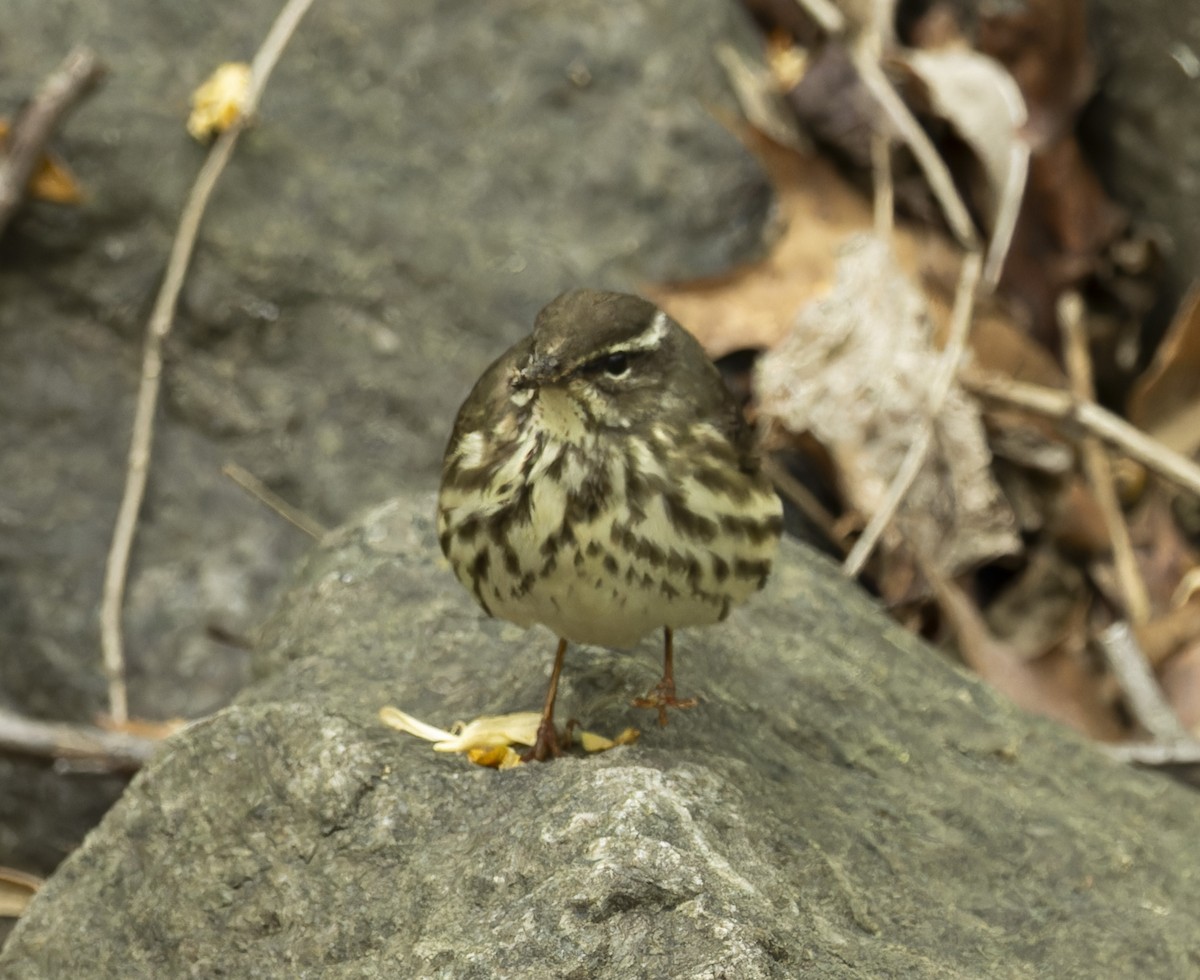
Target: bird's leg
(545, 746)
(662, 696)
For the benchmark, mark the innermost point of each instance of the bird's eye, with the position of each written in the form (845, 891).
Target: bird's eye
(614, 365)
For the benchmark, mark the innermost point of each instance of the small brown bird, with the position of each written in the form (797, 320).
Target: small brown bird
(601, 480)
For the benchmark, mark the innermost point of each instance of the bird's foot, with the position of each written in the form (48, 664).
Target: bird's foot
(663, 697)
(545, 746)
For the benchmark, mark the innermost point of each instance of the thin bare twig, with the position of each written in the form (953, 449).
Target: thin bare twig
(1096, 464)
(113, 751)
(914, 459)
(804, 499)
(161, 320)
(264, 494)
(1182, 753)
(1087, 417)
(78, 74)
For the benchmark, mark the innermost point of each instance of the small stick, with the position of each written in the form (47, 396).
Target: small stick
(926, 154)
(1182, 753)
(804, 499)
(826, 13)
(1088, 417)
(78, 74)
(1096, 463)
(114, 751)
(265, 495)
(914, 459)
(159, 326)
(1142, 695)
(881, 168)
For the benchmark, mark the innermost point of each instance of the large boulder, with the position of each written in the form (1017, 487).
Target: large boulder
(843, 803)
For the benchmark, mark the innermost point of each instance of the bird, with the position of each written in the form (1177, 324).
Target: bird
(601, 480)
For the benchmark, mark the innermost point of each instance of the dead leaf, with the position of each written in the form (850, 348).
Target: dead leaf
(1044, 45)
(1163, 638)
(854, 371)
(1067, 220)
(1165, 400)
(52, 180)
(752, 307)
(17, 889)
(486, 732)
(487, 740)
(1180, 682)
(983, 104)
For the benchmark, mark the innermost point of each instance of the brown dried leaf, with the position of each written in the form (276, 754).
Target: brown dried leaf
(1163, 638)
(854, 371)
(1180, 681)
(752, 307)
(52, 180)
(1165, 400)
(1044, 45)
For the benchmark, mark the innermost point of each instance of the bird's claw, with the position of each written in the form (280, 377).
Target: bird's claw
(663, 697)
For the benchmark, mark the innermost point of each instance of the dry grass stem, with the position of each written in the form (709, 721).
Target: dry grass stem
(1096, 464)
(265, 495)
(917, 140)
(795, 492)
(1089, 418)
(881, 170)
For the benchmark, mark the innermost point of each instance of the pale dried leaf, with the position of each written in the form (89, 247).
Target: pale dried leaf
(488, 731)
(1165, 401)
(981, 101)
(854, 372)
(17, 889)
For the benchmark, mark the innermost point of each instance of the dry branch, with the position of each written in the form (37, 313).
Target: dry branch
(78, 74)
(113, 751)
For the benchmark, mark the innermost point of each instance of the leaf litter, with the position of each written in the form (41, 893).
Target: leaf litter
(1002, 548)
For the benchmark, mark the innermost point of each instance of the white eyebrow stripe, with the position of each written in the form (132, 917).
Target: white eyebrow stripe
(648, 339)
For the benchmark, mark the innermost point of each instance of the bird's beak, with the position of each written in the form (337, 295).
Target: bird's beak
(535, 372)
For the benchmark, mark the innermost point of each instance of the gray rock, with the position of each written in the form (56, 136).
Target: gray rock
(424, 177)
(1146, 125)
(843, 803)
